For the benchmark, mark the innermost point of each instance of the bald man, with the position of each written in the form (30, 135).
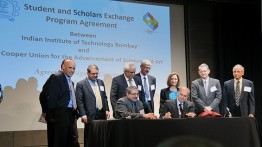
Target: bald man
(62, 105)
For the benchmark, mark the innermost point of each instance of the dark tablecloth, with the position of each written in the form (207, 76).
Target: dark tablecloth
(230, 132)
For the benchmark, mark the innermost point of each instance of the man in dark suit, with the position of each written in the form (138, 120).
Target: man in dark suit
(205, 91)
(129, 107)
(121, 82)
(43, 97)
(91, 99)
(62, 105)
(180, 107)
(146, 85)
(238, 94)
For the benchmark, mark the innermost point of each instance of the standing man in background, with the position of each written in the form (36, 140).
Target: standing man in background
(238, 94)
(62, 105)
(43, 98)
(121, 82)
(205, 91)
(146, 85)
(91, 99)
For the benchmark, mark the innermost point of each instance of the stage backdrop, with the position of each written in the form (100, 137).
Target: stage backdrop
(37, 35)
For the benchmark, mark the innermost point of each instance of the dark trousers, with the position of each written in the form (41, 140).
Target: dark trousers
(65, 132)
(50, 133)
(148, 107)
(236, 112)
(75, 134)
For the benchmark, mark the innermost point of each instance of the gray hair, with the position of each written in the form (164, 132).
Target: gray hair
(130, 88)
(185, 88)
(239, 66)
(91, 66)
(145, 62)
(203, 65)
(129, 66)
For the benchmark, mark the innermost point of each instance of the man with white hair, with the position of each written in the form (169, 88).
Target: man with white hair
(238, 94)
(146, 86)
(121, 82)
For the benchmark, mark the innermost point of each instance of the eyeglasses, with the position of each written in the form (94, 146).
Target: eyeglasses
(182, 94)
(131, 72)
(93, 73)
(135, 94)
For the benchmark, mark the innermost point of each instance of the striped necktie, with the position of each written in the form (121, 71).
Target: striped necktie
(237, 93)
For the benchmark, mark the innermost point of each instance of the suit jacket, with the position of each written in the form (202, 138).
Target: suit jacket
(118, 89)
(151, 81)
(44, 94)
(124, 109)
(171, 106)
(246, 101)
(86, 100)
(59, 94)
(164, 95)
(199, 97)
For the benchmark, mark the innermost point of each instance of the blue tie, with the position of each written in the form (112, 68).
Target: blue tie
(134, 108)
(146, 90)
(181, 110)
(72, 94)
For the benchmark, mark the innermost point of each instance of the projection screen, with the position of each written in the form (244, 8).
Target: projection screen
(37, 35)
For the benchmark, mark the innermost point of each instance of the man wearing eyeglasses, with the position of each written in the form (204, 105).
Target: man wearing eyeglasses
(129, 107)
(180, 107)
(91, 99)
(121, 82)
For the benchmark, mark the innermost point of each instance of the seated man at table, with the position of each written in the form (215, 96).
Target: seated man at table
(129, 107)
(178, 108)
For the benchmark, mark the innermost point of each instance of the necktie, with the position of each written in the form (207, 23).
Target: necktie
(146, 90)
(72, 92)
(205, 86)
(237, 94)
(181, 110)
(98, 97)
(130, 82)
(134, 110)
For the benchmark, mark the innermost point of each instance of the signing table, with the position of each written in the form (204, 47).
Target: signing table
(230, 132)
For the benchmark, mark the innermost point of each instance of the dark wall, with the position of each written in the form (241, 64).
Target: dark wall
(201, 38)
(223, 34)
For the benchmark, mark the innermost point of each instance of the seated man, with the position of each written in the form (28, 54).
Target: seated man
(130, 107)
(180, 107)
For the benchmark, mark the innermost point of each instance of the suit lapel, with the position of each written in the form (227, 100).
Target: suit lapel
(138, 106)
(201, 83)
(149, 83)
(242, 88)
(185, 107)
(167, 93)
(129, 105)
(89, 87)
(139, 81)
(65, 83)
(231, 88)
(175, 110)
(210, 84)
(124, 80)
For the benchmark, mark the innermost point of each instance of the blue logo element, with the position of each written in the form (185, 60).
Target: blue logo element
(150, 21)
(8, 9)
